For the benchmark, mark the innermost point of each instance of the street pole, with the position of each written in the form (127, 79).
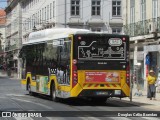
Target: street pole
(65, 13)
(131, 85)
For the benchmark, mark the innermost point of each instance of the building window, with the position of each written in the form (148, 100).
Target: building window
(75, 7)
(143, 10)
(96, 7)
(40, 17)
(132, 17)
(47, 12)
(36, 19)
(116, 8)
(154, 8)
(30, 22)
(116, 30)
(53, 8)
(132, 10)
(50, 10)
(30, 1)
(42, 14)
(33, 20)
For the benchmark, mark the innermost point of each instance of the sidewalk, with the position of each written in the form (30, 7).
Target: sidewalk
(144, 101)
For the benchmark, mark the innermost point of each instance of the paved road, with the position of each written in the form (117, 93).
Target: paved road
(13, 98)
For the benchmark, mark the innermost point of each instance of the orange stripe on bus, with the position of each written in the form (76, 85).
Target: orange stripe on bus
(96, 85)
(89, 85)
(114, 85)
(107, 85)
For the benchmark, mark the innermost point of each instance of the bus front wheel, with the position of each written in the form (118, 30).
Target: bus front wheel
(53, 93)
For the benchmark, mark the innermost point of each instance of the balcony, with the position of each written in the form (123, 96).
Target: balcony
(144, 27)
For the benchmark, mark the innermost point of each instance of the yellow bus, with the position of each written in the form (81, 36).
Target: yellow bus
(73, 63)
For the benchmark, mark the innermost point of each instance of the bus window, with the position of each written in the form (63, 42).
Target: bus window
(64, 63)
(50, 55)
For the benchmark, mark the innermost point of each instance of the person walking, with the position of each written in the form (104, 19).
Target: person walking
(151, 84)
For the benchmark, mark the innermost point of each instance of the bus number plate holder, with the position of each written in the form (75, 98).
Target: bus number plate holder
(102, 93)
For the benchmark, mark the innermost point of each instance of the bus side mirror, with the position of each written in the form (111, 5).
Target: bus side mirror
(59, 42)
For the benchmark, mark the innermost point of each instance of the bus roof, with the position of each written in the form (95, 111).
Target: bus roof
(51, 34)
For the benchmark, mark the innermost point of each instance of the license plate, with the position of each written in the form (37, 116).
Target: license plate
(101, 93)
(117, 92)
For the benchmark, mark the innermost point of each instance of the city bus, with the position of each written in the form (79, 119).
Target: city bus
(76, 63)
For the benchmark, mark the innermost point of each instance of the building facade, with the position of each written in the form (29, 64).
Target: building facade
(13, 35)
(2, 34)
(96, 15)
(142, 23)
(26, 16)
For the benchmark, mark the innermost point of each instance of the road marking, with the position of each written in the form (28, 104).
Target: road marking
(120, 118)
(23, 118)
(55, 118)
(18, 95)
(33, 103)
(152, 107)
(63, 118)
(150, 118)
(2, 97)
(89, 118)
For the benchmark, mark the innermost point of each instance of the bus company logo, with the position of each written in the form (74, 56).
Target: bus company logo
(115, 41)
(6, 114)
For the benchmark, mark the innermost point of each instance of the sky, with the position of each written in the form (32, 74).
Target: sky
(3, 3)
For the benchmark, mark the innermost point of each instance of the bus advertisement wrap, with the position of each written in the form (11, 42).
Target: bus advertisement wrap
(102, 76)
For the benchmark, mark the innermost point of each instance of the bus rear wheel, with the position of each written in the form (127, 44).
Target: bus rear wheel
(53, 94)
(29, 89)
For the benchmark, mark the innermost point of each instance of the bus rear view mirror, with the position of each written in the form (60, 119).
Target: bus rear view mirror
(59, 42)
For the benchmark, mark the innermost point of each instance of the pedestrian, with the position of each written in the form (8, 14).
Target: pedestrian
(151, 84)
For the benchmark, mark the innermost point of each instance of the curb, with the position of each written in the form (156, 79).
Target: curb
(136, 103)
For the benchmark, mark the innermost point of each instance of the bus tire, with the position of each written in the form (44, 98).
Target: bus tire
(29, 89)
(53, 93)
